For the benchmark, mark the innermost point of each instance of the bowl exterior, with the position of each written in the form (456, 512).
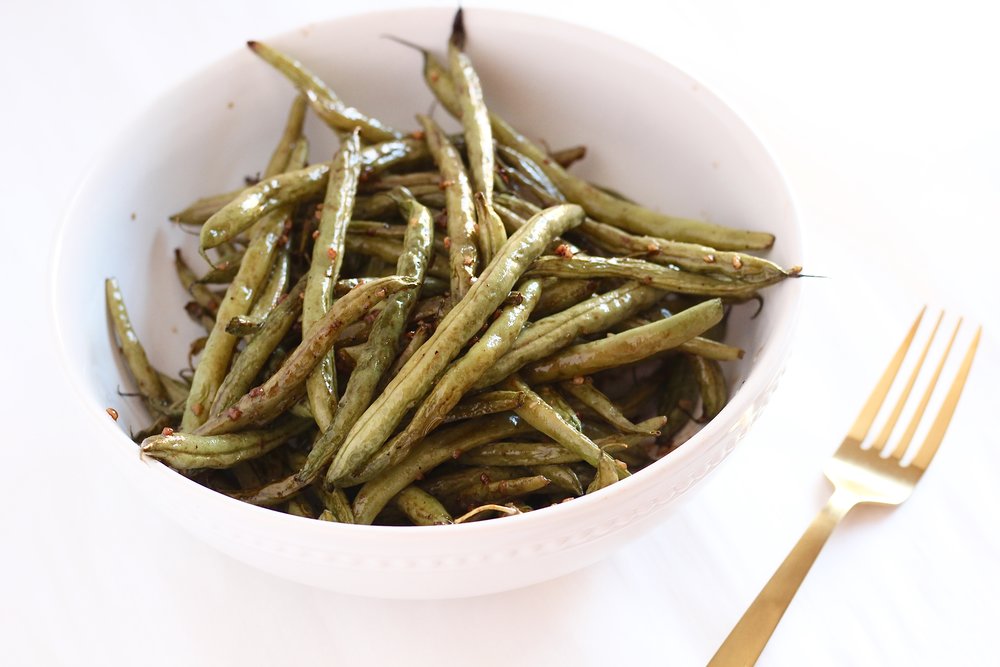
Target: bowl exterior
(687, 152)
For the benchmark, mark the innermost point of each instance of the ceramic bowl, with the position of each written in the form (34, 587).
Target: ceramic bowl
(651, 132)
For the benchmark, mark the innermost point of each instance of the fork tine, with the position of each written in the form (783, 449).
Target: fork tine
(897, 410)
(864, 421)
(918, 414)
(940, 425)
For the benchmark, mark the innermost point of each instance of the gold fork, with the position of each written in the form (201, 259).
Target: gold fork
(859, 475)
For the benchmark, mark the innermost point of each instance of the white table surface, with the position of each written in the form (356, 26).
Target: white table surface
(885, 118)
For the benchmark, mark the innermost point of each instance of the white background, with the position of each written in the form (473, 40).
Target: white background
(885, 117)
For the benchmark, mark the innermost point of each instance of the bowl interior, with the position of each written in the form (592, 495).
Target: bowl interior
(651, 132)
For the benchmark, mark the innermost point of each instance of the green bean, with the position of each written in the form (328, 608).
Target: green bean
(499, 491)
(561, 294)
(146, 377)
(595, 399)
(680, 394)
(487, 403)
(598, 204)
(561, 476)
(556, 331)
(661, 277)
(711, 386)
(463, 256)
(253, 272)
(389, 250)
(289, 137)
(296, 186)
(710, 349)
(373, 360)
(456, 381)
(299, 506)
(324, 101)
(625, 348)
(203, 209)
(337, 505)
(277, 284)
(376, 228)
(505, 453)
(258, 259)
(242, 326)
(546, 419)
(420, 336)
(534, 174)
(559, 404)
(177, 390)
(186, 451)
(516, 211)
(324, 270)
(458, 326)
(203, 296)
(567, 156)
(442, 445)
(260, 346)
(690, 257)
(223, 272)
(492, 233)
(473, 114)
(607, 474)
(286, 386)
(392, 181)
(449, 484)
(422, 508)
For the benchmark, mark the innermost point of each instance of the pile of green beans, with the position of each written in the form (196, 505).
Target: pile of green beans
(427, 328)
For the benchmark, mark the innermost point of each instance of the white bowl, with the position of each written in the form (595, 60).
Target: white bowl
(651, 131)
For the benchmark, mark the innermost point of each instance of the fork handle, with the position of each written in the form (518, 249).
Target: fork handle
(746, 641)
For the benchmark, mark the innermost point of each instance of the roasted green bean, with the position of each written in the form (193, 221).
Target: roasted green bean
(458, 326)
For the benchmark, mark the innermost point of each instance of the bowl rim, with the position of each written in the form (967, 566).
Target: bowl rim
(761, 374)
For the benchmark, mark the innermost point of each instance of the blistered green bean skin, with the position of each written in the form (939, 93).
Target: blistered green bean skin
(627, 347)
(259, 349)
(560, 329)
(186, 451)
(607, 474)
(324, 269)
(286, 386)
(458, 326)
(324, 101)
(596, 202)
(463, 254)
(422, 508)
(442, 445)
(146, 377)
(457, 380)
